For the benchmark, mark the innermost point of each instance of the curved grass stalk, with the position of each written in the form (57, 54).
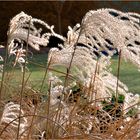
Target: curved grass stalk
(23, 78)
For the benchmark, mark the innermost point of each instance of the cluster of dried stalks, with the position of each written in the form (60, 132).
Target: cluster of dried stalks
(86, 101)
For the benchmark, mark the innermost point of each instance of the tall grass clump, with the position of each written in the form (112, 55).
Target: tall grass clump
(78, 97)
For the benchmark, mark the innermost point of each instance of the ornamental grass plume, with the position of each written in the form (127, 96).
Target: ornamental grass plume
(10, 118)
(19, 27)
(100, 34)
(22, 25)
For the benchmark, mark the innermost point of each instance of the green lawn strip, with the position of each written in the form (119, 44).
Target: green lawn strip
(37, 66)
(129, 74)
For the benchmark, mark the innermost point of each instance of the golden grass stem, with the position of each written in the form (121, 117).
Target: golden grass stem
(118, 75)
(23, 78)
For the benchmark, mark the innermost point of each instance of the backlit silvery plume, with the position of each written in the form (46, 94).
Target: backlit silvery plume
(109, 29)
(10, 116)
(22, 25)
(101, 33)
(23, 29)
